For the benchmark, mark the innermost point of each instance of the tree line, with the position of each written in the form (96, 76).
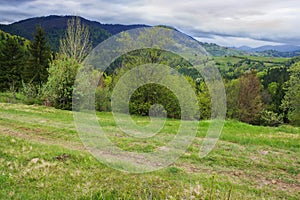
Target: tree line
(256, 94)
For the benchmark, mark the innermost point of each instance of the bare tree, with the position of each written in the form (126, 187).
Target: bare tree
(76, 43)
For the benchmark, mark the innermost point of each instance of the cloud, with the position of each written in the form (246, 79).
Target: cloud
(268, 20)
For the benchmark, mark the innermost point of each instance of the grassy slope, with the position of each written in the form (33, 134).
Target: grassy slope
(42, 158)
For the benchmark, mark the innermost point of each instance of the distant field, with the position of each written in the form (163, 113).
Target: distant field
(42, 157)
(236, 59)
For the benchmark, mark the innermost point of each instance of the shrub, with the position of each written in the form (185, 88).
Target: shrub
(269, 118)
(32, 93)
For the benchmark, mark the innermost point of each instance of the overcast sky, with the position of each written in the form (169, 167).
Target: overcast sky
(225, 22)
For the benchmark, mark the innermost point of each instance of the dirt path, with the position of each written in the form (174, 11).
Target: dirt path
(28, 135)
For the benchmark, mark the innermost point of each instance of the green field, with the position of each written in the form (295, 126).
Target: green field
(42, 157)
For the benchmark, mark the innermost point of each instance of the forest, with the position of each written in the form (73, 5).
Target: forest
(259, 90)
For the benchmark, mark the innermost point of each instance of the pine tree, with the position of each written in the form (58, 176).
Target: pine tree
(12, 58)
(40, 55)
(291, 102)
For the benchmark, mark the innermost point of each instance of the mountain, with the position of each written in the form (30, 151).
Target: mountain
(55, 27)
(273, 53)
(278, 48)
(244, 48)
(216, 50)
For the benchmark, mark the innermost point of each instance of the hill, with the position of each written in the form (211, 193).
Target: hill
(286, 51)
(216, 50)
(55, 27)
(42, 157)
(278, 48)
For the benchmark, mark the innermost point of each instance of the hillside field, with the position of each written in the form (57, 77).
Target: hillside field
(42, 157)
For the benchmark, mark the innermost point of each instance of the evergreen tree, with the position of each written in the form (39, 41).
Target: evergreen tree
(291, 102)
(12, 58)
(40, 55)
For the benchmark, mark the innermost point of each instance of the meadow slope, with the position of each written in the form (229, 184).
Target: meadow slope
(42, 157)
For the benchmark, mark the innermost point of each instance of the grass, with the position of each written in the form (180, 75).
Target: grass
(42, 157)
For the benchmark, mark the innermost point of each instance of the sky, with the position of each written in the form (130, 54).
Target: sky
(228, 23)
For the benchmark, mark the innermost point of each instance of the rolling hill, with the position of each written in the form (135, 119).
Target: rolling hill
(272, 51)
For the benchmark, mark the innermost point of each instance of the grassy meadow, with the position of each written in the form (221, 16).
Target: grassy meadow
(42, 157)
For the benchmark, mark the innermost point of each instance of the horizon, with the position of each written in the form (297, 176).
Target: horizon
(258, 43)
(232, 23)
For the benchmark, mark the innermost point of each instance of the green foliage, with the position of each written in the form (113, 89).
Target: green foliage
(102, 97)
(32, 93)
(5, 36)
(12, 59)
(103, 94)
(8, 97)
(38, 63)
(269, 118)
(249, 101)
(291, 102)
(232, 96)
(59, 88)
(204, 101)
(40, 148)
(150, 94)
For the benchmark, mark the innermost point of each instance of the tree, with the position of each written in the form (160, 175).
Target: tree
(12, 58)
(232, 93)
(291, 102)
(58, 90)
(249, 101)
(148, 95)
(204, 100)
(76, 43)
(273, 81)
(40, 55)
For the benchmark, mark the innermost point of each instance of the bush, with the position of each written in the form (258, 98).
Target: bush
(102, 97)
(269, 118)
(32, 93)
(59, 88)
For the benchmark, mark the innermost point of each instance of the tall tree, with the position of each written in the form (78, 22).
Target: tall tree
(249, 101)
(232, 93)
(74, 47)
(76, 43)
(40, 55)
(12, 57)
(291, 102)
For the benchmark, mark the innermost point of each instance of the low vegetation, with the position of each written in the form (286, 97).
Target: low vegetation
(42, 157)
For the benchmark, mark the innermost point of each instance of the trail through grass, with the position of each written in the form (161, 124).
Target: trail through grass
(42, 157)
